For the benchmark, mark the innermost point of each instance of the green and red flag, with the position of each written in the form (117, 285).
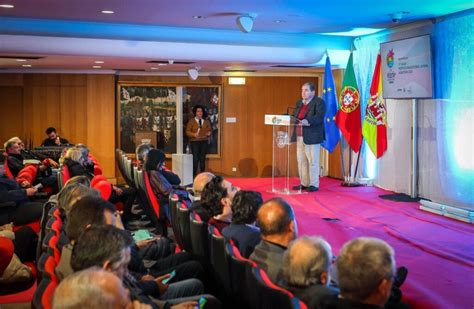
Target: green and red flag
(348, 115)
(374, 128)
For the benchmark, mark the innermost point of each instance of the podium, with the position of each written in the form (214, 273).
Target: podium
(284, 127)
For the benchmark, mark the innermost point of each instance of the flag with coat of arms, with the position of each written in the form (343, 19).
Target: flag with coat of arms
(374, 128)
(348, 116)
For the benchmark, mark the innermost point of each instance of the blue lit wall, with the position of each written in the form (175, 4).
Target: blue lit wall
(453, 42)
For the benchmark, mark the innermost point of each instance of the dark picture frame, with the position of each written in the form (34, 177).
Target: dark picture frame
(148, 113)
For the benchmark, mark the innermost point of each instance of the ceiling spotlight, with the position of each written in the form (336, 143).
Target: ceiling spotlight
(198, 17)
(154, 68)
(245, 22)
(7, 6)
(26, 65)
(193, 73)
(96, 67)
(162, 64)
(99, 61)
(279, 21)
(21, 60)
(107, 12)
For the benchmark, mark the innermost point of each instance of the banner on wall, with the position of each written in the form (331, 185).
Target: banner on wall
(406, 68)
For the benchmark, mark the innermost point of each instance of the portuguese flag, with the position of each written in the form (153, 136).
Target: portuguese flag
(374, 127)
(348, 115)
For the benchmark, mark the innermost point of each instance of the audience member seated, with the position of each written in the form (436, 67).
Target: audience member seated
(41, 173)
(15, 205)
(306, 270)
(14, 275)
(278, 228)
(24, 239)
(141, 153)
(152, 256)
(365, 268)
(242, 229)
(216, 202)
(53, 139)
(78, 164)
(163, 182)
(199, 183)
(93, 288)
(108, 247)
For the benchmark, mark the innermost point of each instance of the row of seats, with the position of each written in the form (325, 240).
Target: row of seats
(239, 279)
(48, 261)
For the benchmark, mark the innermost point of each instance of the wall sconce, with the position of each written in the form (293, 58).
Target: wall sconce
(236, 80)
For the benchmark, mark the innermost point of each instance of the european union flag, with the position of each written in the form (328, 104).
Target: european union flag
(330, 99)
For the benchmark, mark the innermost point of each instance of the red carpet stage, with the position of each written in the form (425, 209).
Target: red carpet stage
(438, 251)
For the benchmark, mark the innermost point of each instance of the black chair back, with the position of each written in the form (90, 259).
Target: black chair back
(184, 226)
(220, 261)
(199, 238)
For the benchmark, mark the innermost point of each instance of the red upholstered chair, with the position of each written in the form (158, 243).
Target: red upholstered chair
(220, 261)
(65, 175)
(7, 250)
(271, 295)
(44, 293)
(199, 238)
(243, 289)
(105, 189)
(8, 173)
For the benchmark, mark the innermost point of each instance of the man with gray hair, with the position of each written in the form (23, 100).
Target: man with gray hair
(366, 269)
(306, 270)
(93, 288)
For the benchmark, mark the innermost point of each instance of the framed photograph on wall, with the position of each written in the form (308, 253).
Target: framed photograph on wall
(210, 98)
(147, 115)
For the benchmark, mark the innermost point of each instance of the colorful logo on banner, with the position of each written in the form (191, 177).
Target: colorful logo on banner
(350, 99)
(390, 58)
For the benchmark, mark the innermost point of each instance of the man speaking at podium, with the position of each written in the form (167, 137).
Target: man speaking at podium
(309, 113)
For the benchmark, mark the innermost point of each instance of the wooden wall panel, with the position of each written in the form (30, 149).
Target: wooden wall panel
(11, 112)
(73, 115)
(100, 109)
(42, 110)
(83, 109)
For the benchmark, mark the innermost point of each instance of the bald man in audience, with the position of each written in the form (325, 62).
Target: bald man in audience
(93, 288)
(306, 270)
(366, 269)
(278, 228)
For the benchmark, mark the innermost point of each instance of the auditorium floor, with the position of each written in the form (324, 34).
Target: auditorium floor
(438, 251)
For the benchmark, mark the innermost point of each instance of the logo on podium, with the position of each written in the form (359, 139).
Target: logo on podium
(282, 139)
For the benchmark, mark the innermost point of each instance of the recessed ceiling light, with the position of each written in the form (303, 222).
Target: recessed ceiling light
(21, 60)
(161, 64)
(198, 17)
(227, 68)
(99, 61)
(280, 21)
(26, 65)
(107, 12)
(7, 6)
(96, 67)
(154, 68)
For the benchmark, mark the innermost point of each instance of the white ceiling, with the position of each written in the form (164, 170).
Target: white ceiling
(72, 34)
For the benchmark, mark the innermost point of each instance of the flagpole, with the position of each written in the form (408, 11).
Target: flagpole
(358, 157)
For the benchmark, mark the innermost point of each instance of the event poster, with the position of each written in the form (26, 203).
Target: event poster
(406, 68)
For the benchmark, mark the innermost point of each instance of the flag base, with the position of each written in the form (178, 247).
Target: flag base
(352, 184)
